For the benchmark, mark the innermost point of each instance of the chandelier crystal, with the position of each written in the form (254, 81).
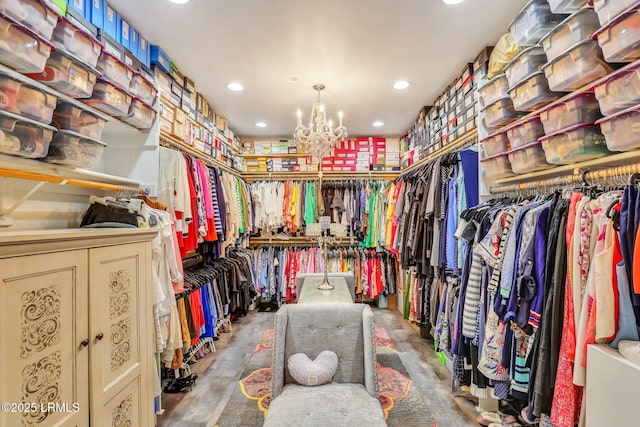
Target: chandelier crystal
(319, 137)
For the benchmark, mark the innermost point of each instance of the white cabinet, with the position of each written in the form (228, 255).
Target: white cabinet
(76, 328)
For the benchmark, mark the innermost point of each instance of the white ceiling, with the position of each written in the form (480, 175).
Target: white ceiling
(357, 48)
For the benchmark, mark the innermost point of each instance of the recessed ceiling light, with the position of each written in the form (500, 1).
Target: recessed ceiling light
(401, 84)
(452, 1)
(261, 124)
(236, 87)
(179, 1)
(378, 124)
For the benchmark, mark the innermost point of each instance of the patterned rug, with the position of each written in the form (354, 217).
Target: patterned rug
(402, 406)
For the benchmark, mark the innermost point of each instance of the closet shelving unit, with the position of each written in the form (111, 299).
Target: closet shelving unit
(461, 143)
(609, 160)
(174, 143)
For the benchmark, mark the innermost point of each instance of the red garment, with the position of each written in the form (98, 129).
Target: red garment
(191, 239)
(195, 299)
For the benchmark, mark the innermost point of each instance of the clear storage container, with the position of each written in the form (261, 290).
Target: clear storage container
(497, 166)
(622, 130)
(68, 75)
(33, 14)
(20, 48)
(495, 89)
(580, 108)
(619, 91)
(110, 99)
(72, 149)
(532, 93)
(114, 70)
(566, 6)
(24, 97)
(76, 117)
(609, 9)
(24, 137)
(525, 133)
(532, 22)
(575, 144)
(144, 89)
(528, 158)
(582, 64)
(140, 115)
(495, 144)
(76, 42)
(620, 38)
(500, 113)
(525, 64)
(576, 28)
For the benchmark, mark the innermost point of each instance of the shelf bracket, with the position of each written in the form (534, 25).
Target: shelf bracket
(5, 220)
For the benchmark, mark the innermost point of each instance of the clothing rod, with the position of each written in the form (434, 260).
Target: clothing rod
(60, 180)
(586, 178)
(325, 176)
(171, 143)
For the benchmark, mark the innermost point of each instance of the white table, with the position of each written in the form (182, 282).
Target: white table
(311, 294)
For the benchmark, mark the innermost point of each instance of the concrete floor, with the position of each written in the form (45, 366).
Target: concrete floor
(218, 373)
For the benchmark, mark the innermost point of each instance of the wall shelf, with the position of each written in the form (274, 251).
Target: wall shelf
(618, 159)
(276, 156)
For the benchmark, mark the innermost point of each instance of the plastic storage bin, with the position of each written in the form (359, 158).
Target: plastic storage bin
(528, 158)
(76, 117)
(620, 91)
(33, 14)
(532, 22)
(68, 75)
(580, 108)
(110, 99)
(24, 97)
(76, 42)
(620, 38)
(143, 89)
(609, 9)
(495, 144)
(72, 149)
(114, 70)
(23, 137)
(494, 89)
(582, 64)
(497, 166)
(500, 112)
(525, 133)
(576, 28)
(621, 130)
(532, 93)
(566, 6)
(20, 48)
(575, 144)
(525, 64)
(140, 115)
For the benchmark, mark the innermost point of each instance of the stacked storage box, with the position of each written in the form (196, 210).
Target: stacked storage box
(574, 60)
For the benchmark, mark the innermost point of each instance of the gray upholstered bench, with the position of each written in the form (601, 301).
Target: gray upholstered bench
(352, 398)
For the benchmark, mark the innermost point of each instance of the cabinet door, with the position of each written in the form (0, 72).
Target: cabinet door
(120, 355)
(43, 360)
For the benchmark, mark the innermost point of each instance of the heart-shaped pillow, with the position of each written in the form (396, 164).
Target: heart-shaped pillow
(313, 372)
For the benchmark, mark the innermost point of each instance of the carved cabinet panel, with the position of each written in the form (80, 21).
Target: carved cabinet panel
(117, 326)
(44, 328)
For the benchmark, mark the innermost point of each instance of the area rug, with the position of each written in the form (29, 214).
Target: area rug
(249, 403)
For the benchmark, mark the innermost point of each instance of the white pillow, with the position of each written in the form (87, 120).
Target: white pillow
(313, 372)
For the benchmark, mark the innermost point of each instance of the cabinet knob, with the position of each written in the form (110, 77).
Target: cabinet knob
(85, 342)
(99, 336)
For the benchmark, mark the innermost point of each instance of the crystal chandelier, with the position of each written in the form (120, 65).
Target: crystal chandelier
(319, 137)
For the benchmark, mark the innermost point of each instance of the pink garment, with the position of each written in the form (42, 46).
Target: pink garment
(567, 397)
